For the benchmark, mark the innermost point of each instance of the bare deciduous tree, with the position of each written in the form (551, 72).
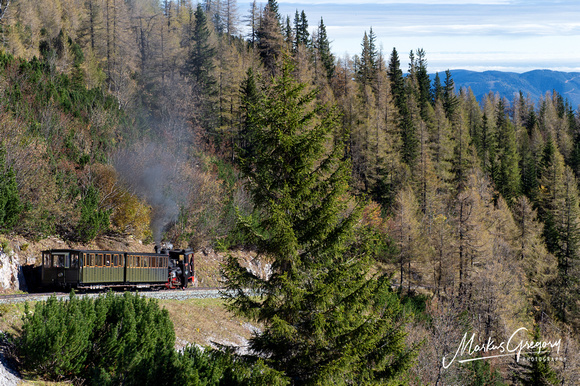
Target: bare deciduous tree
(3, 7)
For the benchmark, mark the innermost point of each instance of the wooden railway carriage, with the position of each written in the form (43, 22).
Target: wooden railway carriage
(75, 268)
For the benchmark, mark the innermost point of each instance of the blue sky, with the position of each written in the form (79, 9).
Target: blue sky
(506, 35)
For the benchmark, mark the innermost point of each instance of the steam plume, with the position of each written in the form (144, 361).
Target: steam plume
(152, 172)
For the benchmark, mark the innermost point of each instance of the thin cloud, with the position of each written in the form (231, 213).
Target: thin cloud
(399, 2)
(532, 33)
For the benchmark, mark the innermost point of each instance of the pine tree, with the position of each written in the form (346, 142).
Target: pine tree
(325, 320)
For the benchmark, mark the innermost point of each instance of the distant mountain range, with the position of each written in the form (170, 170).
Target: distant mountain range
(533, 83)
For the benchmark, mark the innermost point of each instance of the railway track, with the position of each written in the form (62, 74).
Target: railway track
(189, 293)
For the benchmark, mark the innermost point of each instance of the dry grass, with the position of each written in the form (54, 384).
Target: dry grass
(205, 322)
(11, 317)
(27, 382)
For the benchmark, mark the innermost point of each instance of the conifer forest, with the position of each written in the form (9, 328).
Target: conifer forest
(400, 216)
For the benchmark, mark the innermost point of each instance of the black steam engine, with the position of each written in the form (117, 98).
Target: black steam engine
(92, 269)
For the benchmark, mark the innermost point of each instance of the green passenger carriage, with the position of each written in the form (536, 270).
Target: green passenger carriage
(77, 268)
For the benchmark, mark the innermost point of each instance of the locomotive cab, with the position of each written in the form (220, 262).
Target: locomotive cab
(181, 267)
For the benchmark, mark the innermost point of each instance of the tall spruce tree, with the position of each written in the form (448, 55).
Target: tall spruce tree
(437, 89)
(423, 82)
(200, 66)
(326, 319)
(508, 176)
(301, 29)
(324, 51)
(410, 143)
(270, 38)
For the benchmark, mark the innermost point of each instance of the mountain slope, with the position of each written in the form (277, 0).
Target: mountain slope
(533, 83)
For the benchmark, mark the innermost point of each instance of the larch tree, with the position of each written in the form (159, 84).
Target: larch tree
(407, 233)
(539, 265)
(326, 318)
(474, 118)
(441, 144)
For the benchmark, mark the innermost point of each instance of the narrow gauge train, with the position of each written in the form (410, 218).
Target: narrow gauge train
(88, 269)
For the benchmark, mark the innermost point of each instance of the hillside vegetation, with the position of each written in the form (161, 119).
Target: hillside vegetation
(394, 210)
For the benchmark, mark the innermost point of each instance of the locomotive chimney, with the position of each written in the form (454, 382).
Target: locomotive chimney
(157, 248)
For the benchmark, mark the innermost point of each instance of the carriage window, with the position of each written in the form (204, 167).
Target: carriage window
(46, 259)
(99, 262)
(145, 261)
(67, 261)
(108, 260)
(91, 260)
(74, 263)
(115, 260)
(58, 261)
(137, 261)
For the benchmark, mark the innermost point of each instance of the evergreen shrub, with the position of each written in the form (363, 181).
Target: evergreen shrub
(122, 339)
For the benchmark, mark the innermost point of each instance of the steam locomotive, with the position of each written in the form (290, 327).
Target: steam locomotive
(90, 269)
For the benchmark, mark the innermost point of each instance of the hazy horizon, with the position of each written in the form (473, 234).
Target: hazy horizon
(477, 35)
